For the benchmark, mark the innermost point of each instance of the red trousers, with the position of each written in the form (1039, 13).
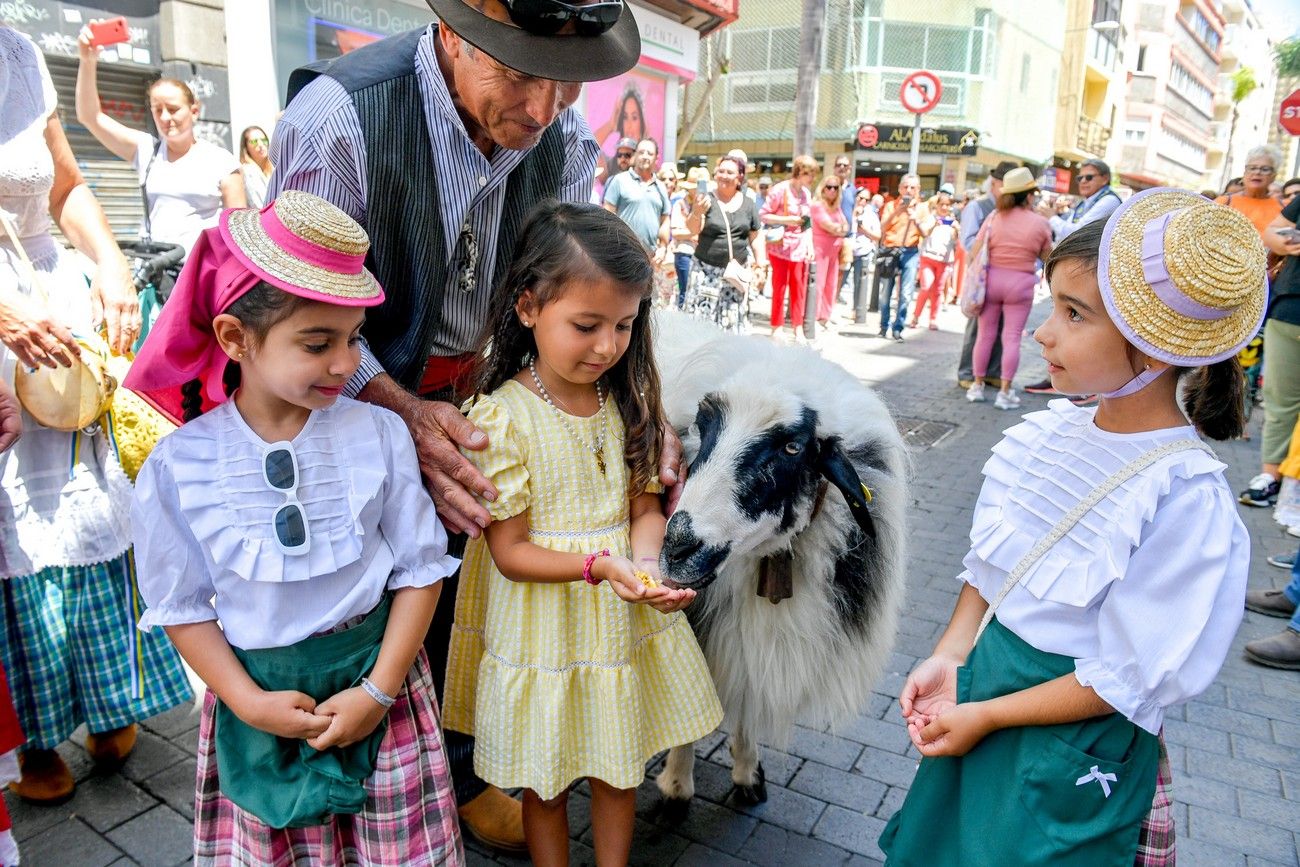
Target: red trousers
(788, 275)
(930, 279)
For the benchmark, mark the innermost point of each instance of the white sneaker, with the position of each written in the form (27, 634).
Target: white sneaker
(1007, 400)
(975, 394)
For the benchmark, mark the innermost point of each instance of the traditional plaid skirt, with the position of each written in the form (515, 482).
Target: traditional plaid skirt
(409, 819)
(69, 645)
(1156, 840)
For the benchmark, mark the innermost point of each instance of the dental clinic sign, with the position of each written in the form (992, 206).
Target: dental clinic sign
(667, 45)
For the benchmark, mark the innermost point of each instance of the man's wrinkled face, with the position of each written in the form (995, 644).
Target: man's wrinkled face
(512, 108)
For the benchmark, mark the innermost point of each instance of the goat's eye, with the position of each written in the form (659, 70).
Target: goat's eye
(793, 448)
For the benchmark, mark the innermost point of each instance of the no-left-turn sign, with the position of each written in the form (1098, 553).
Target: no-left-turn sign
(920, 91)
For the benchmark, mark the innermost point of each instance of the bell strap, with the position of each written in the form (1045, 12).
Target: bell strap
(1083, 507)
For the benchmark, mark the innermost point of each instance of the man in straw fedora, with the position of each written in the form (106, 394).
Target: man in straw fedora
(439, 142)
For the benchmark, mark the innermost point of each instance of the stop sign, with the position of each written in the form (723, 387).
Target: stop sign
(1289, 116)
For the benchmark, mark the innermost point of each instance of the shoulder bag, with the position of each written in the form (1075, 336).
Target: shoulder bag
(975, 286)
(739, 277)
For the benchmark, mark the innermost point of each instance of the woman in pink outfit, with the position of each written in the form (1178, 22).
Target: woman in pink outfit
(828, 230)
(1017, 238)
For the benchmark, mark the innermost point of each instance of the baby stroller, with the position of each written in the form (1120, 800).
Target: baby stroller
(154, 269)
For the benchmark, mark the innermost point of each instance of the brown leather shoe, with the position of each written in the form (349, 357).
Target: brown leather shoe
(1276, 651)
(1274, 603)
(109, 749)
(46, 779)
(496, 820)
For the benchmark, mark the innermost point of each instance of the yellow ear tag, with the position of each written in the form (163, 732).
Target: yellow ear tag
(866, 493)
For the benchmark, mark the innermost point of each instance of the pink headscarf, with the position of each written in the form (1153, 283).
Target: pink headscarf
(282, 244)
(181, 345)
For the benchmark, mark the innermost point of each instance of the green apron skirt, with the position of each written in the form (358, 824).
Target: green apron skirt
(283, 781)
(1068, 794)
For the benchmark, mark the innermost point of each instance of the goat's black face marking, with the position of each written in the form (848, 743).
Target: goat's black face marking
(775, 467)
(710, 418)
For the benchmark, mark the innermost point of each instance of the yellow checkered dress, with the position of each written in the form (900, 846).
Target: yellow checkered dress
(562, 681)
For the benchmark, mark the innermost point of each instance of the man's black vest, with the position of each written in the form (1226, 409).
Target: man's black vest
(403, 216)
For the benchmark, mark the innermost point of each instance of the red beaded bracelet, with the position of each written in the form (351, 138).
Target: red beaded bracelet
(586, 567)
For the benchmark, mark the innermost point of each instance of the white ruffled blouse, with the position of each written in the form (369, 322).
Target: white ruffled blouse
(1146, 591)
(202, 526)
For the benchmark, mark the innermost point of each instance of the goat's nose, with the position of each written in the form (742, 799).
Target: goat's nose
(680, 541)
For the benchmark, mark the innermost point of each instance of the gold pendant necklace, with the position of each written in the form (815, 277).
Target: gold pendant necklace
(598, 448)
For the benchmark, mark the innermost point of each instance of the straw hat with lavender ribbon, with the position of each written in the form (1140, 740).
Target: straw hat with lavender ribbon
(1183, 278)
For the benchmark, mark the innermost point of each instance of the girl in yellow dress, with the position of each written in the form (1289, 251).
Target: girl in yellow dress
(560, 678)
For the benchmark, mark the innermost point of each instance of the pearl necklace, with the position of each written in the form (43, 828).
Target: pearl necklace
(598, 448)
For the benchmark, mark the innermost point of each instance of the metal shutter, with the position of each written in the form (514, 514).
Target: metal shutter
(113, 181)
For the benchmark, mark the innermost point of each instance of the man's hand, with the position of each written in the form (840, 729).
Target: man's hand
(439, 430)
(113, 298)
(672, 471)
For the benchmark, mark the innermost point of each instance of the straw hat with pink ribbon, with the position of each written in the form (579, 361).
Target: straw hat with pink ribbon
(299, 243)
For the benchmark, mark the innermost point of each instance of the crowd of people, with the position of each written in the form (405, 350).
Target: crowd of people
(413, 442)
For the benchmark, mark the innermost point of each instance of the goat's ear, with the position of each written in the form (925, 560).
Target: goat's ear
(835, 467)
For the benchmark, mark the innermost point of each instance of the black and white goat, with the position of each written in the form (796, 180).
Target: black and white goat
(790, 526)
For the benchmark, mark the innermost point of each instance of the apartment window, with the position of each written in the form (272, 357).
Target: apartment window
(1103, 45)
(1181, 149)
(1190, 88)
(1135, 133)
(1142, 58)
(908, 45)
(764, 66)
(1201, 26)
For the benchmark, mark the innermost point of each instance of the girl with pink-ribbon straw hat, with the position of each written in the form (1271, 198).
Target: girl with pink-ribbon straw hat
(297, 518)
(1107, 542)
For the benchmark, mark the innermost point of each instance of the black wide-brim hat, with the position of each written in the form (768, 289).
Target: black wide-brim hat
(562, 57)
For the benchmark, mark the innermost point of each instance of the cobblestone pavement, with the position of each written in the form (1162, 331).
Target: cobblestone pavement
(1235, 751)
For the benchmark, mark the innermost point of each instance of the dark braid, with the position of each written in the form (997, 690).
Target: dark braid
(191, 400)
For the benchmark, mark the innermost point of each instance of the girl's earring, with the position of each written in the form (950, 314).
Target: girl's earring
(526, 323)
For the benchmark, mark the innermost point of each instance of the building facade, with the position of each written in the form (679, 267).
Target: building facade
(1093, 86)
(998, 68)
(1240, 126)
(1170, 111)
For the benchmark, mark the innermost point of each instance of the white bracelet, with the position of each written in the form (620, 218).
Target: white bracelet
(376, 693)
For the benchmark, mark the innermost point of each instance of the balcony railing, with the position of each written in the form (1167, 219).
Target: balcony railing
(1093, 136)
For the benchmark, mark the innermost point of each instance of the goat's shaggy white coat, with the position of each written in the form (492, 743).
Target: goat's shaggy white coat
(775, 664)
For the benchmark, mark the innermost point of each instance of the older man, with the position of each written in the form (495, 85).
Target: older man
(1097, 200)
(639, 198)
(440, 141)
(901, 231)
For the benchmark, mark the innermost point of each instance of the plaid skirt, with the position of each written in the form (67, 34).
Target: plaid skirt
(70, 648)
(409, 819)
(1156, 840)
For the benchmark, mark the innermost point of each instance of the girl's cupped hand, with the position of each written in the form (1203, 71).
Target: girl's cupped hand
(286, 713)
(952, 733)
(930, 690)
(621, 575)
(353, 715)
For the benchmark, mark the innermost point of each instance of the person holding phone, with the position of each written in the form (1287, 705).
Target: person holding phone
(726, 225)
(786, 217)
(186, 182)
